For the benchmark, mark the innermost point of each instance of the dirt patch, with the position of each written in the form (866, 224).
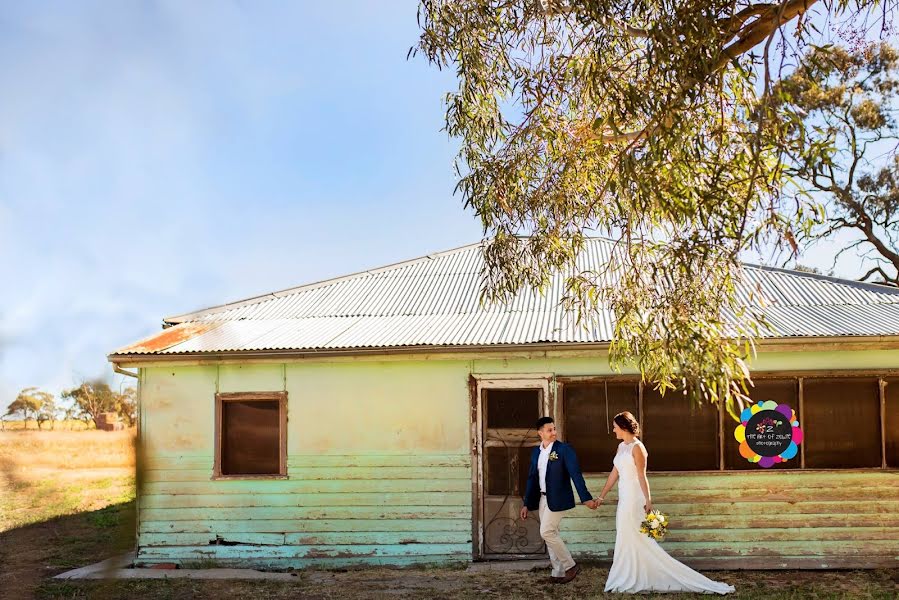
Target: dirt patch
(31, 554)
(437, 584)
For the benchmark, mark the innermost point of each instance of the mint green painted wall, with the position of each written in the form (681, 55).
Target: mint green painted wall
(378, 463)
(380, 473)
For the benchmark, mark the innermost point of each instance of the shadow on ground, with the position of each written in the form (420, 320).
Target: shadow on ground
(31, 554)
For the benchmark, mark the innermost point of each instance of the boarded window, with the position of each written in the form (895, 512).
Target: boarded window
(841, 423)
(782, 391)
(678, 436)
(589, 409)
(251, 434)
(891, 422)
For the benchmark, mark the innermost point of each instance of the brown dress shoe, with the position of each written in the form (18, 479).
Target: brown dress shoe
(554, 579)
(571, 573)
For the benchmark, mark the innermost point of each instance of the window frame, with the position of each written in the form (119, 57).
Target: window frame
(881, 375)
(220, 399)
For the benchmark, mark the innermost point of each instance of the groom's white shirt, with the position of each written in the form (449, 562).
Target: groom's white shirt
(542, 461)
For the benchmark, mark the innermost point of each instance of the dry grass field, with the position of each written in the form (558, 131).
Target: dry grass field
(71, 425)
(46, 474)
(66, 500)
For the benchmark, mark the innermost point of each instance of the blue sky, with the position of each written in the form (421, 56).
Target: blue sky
(159, 157)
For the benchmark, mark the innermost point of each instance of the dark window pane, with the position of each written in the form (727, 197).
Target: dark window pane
(251, 438)
(678, 436)
(841, 424)
(589, 409)
(517, 409)
(507, 470)
(891, 418)
(782, 391)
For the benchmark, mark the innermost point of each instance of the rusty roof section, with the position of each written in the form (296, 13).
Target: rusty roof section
(168, 338)
(434, 302)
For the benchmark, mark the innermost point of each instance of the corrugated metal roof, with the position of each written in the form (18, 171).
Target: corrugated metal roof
(435, 301)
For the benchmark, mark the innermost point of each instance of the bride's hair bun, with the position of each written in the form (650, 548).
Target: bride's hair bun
(626, 421)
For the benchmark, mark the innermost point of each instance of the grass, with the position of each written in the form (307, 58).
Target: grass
(70, 425)
(66, 501)
(47, 474)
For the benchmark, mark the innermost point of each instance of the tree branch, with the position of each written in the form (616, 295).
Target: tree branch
(770, 18)
(886, 279)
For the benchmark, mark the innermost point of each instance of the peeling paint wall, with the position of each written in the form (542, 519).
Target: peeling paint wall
(378, 463)
(379, 472)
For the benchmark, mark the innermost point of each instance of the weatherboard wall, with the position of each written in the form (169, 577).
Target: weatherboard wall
(380, 472)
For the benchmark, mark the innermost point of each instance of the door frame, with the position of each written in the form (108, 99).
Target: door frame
(478, 384)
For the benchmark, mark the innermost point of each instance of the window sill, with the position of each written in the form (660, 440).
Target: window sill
(227, 477)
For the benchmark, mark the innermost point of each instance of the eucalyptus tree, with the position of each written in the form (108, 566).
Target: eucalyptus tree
(652, 122)
(847, 158)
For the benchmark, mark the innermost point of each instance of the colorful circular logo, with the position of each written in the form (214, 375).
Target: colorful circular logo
(769, 433)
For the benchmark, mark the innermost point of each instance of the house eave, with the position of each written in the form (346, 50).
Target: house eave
(536, 350)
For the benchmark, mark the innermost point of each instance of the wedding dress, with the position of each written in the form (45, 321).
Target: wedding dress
(640, 563)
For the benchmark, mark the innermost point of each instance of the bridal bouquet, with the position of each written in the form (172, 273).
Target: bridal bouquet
(655, 525)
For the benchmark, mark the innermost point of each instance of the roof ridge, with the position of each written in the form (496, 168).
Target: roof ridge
(863, 285)
(175, 319)
(193, 315)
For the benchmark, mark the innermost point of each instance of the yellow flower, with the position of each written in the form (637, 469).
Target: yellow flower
(650, 516)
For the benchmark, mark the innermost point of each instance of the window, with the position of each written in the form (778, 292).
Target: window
(841, 422)
(782, 391)
(589, 409)
(847, 423)
(679, 437)
(891, 422)
(251, 434)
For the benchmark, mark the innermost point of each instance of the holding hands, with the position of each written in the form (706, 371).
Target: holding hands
(593, 504)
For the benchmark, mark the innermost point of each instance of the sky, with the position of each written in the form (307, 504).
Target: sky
(160, 157)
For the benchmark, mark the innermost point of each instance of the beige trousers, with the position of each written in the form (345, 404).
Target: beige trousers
(559, 556)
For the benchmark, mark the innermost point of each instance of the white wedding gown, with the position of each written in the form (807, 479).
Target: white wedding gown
(640, 563)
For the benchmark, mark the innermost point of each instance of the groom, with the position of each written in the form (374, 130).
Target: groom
(553, 468)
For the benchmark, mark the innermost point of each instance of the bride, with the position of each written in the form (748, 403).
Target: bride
(640, 563)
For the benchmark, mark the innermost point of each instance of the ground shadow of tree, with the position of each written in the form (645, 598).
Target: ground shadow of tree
(31, 554)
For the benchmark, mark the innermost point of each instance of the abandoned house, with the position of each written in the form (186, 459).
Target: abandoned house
(386, 417)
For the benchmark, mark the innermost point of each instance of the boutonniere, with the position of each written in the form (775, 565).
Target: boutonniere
(553, 455)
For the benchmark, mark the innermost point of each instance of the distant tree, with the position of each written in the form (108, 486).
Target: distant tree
(847, 157)
(29, 404)
(126, 405)
(805, 269)
(92, 398)
(48, 412)
(70, 413)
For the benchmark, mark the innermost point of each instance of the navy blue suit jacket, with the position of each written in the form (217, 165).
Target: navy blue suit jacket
(560, 474)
